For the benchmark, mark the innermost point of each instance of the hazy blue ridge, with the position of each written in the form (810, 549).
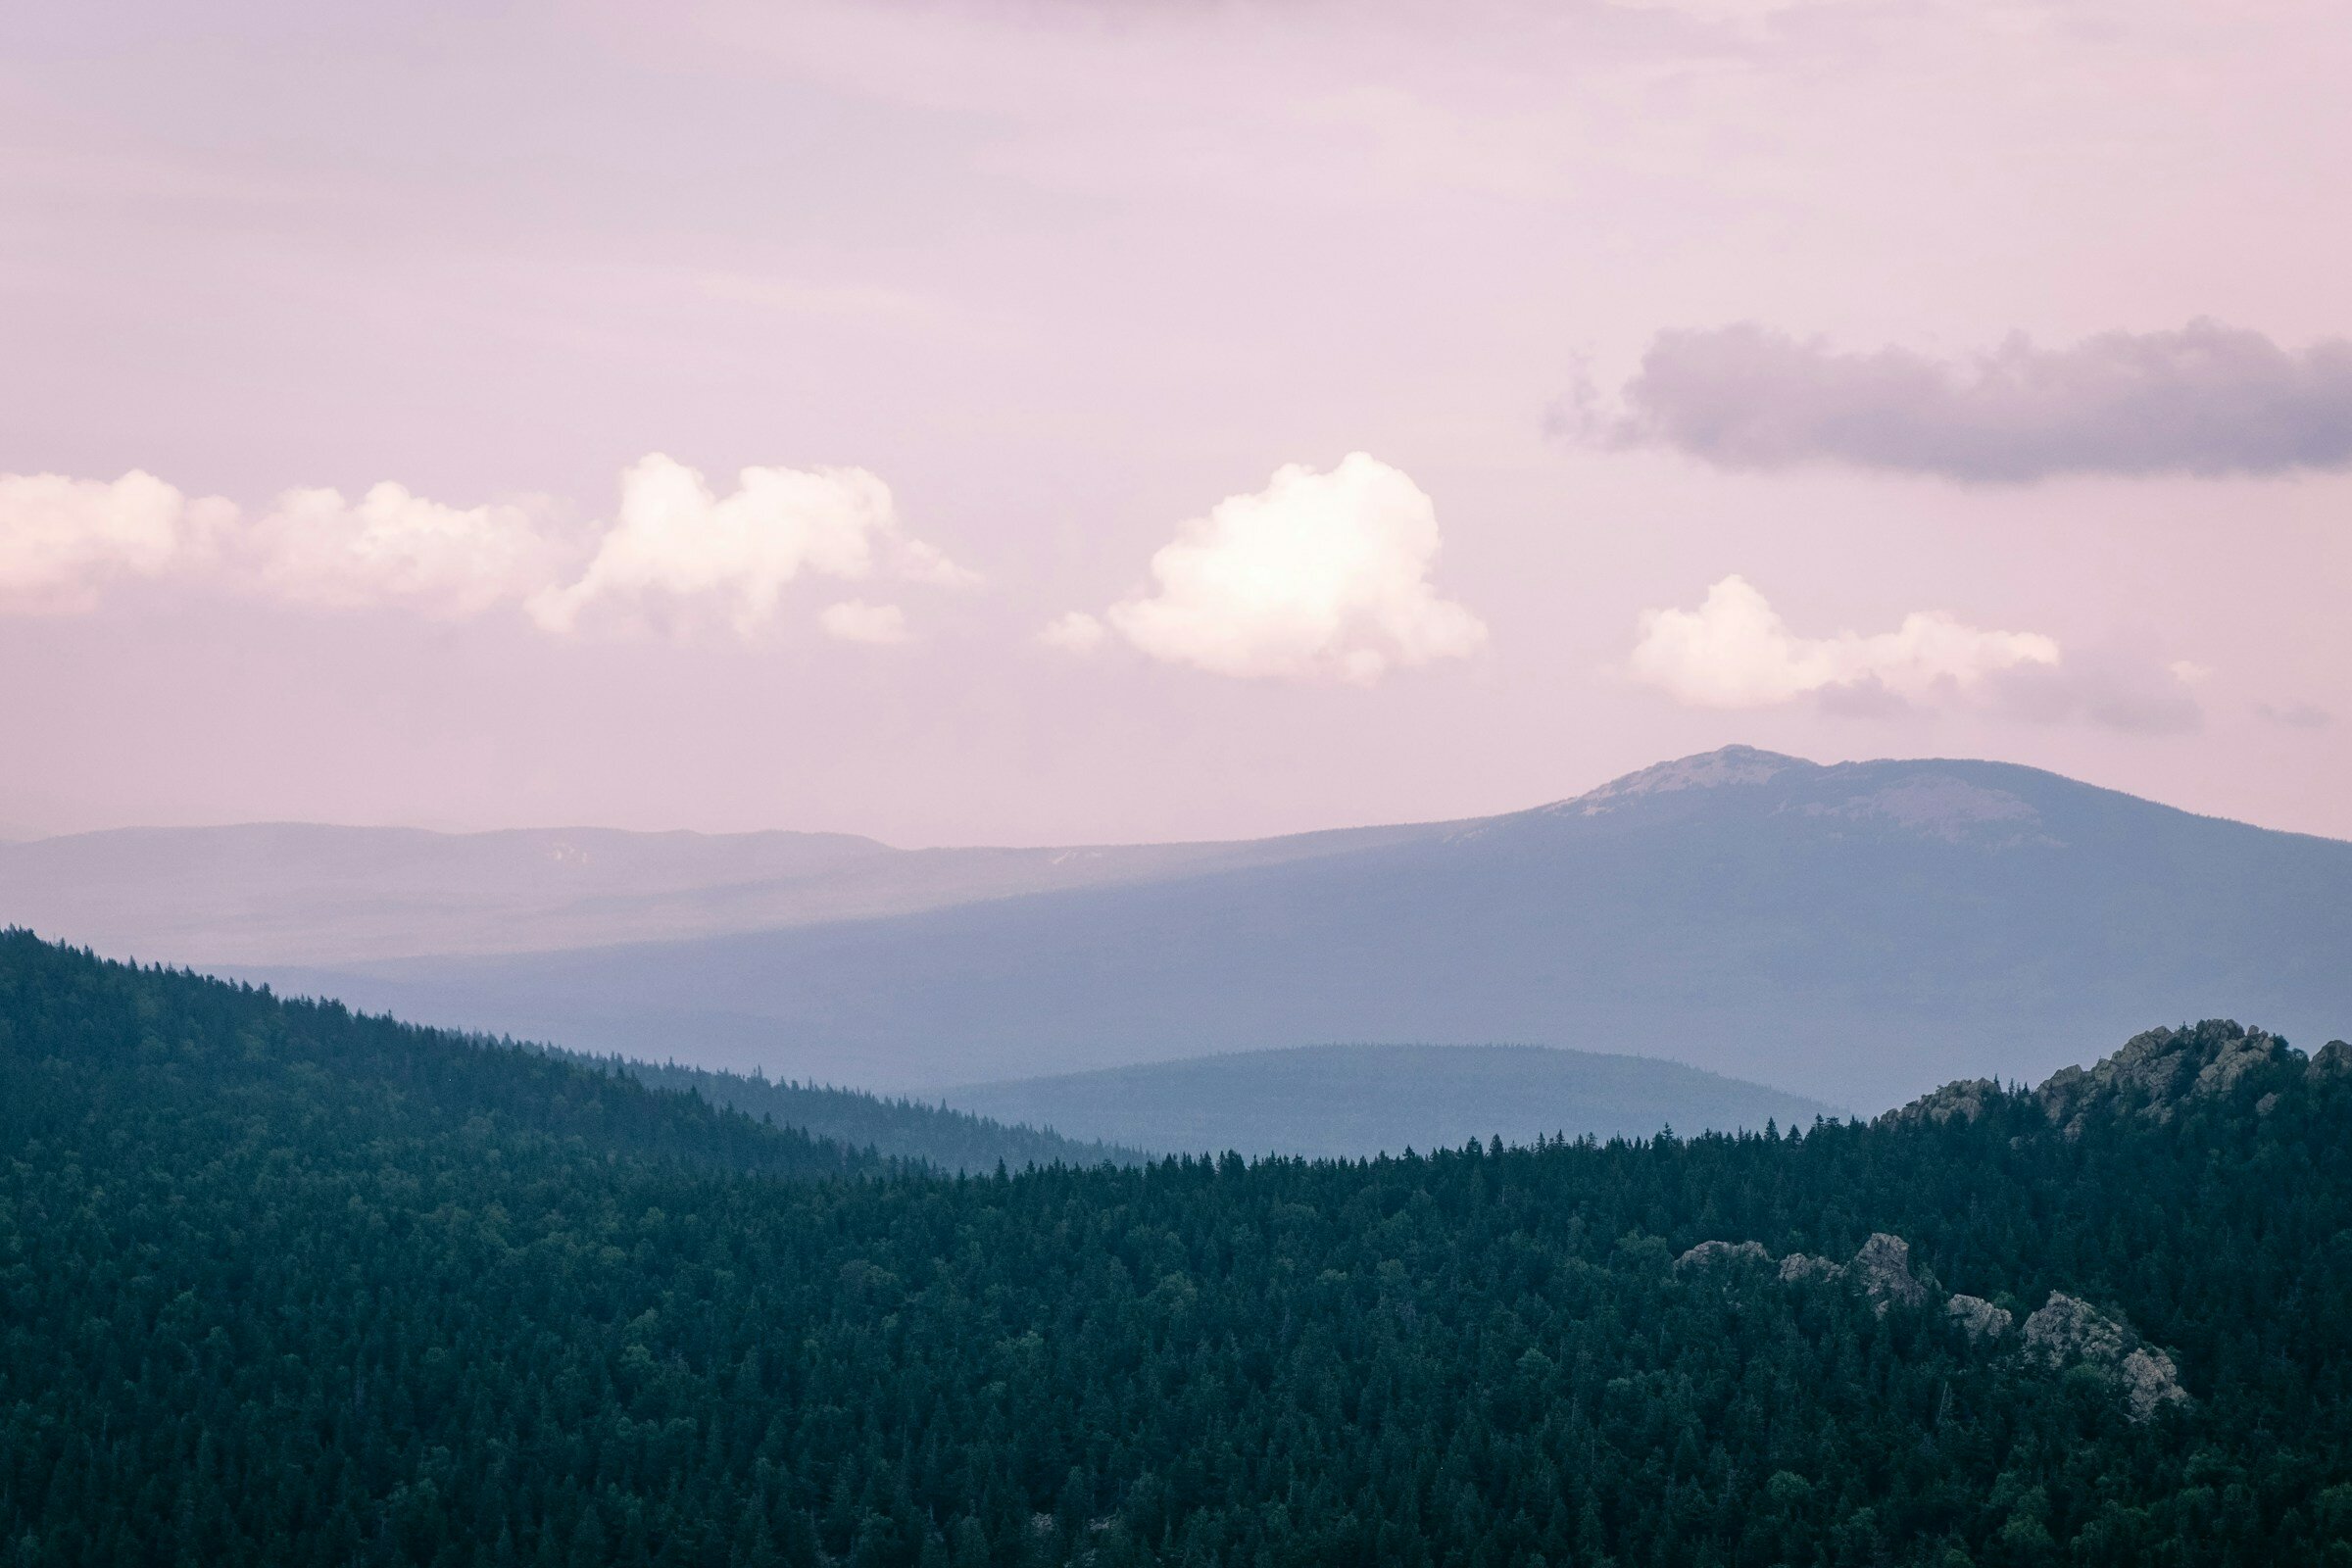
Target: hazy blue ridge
(1354, 1100)
(1858, 933)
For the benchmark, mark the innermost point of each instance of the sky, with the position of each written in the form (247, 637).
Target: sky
(1054, 421)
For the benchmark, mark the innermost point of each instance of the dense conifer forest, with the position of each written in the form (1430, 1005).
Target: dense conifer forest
(280, 1284)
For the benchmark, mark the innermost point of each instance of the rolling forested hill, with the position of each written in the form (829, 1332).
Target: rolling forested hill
(1354, 1100)
(282, 1285)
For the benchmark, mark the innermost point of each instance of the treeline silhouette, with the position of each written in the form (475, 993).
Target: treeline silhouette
(280, 1284)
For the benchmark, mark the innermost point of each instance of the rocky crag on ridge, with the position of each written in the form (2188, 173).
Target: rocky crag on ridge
(2157, 1076)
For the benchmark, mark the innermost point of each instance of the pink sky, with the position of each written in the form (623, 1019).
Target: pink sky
(1053, 326)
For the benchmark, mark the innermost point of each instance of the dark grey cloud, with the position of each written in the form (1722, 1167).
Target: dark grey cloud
(2107, 688)
(2296, 716)
(2208, 399)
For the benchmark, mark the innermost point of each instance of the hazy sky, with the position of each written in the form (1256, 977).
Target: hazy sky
(1035, 420)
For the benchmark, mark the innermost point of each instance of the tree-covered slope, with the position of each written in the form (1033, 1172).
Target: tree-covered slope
(1354, 1100)
(111, 1044)
(267, 1292)
(951, 1138)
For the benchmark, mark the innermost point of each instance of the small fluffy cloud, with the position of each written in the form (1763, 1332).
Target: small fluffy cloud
(1733, 651)
(62, 540)
(1318, 575)
(1076, 632)
(391, 547)
(2206, 399)
(676, 548)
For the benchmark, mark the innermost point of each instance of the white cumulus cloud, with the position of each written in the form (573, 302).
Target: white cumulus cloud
(677, 549)
(1318, 575)
(390, 547)
(1734, 651)
(1076, 632)
(62, 540)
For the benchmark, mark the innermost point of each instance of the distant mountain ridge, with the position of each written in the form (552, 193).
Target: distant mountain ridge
(302, 892)
(1857, 932)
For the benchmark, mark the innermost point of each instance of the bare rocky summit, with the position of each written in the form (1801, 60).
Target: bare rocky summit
(1963, 1097)
(2156, 1072)
(2153, 1076)
(2332, 1060)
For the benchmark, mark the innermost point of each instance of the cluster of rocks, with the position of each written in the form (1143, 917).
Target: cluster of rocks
(1706, 1254)
(2158, 1071)
(2072, 1332)
(2065, 1332)
(2153, 1076)
(1881, 1268)
(1977, 1317)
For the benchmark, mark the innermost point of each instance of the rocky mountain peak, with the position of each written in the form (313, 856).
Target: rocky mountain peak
(2158, 1071)
(2152, 1075)
(1727, 765)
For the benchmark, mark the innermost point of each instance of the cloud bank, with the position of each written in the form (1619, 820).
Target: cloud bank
(676, 552)
(63, 540)
(1317, 576)
(392, 548)
(2207, 399)
(1735, 652)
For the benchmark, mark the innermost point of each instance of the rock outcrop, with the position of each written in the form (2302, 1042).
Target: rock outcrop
(2152, 1076)
(1807, 1266)
(2157, 1072)
(2068, 1331)
(1963, 1097)
(1979, 1318)
(1710, 1254)
(1883, 1268)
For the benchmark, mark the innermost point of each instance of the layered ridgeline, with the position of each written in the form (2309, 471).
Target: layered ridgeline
(316, 894)
(282, 1285)
(1353, 1101)
(1857, 933)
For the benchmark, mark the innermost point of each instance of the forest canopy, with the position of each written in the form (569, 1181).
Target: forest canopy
(280, 1283)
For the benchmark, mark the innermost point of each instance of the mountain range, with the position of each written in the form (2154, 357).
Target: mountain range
(1856, 932)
